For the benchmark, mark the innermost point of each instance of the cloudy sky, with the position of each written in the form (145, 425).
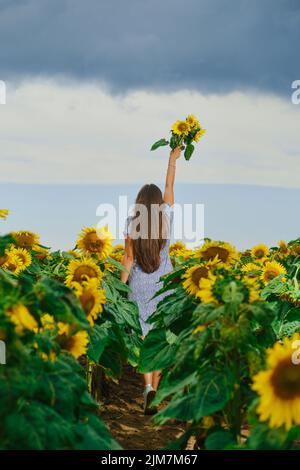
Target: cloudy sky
(90, 86)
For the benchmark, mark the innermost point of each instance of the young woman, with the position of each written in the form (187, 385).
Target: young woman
(146, 259)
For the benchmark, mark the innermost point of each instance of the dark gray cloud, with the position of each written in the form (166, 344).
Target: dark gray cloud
(210, 45)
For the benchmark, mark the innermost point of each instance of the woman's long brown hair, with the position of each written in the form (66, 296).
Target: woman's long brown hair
(147, 249)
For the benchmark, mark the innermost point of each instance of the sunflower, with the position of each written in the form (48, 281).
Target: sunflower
(13, 263)
(284, 249)
(181, 128)
(77, 344)
(205, 293)
(176, 248)
(292, 297)
(95, 242)
(82, 270)
(199, 134)
(109, 267)
(219, 251)
(278, 387)
(251, 269)
(22, 318)
(40, 252)
(26, 239)
(63, 329)
(193, 121)
(48, 322)
(3, 260)
(179, 250)
(260, 252)
(192, 278)
(271, 270)
(73, 253)
(23, 255)
(296, 249)
(185, 254)
(245, 254)
(117, 248)
(91, 298)
(253, 289)
(4, 213)
(117, 256)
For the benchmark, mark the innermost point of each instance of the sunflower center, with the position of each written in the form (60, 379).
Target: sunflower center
(25, 240)
(83, 273)
(22, 258)
(286, 380)
(271, 274)
(259, 254)
(70, 343)
(199, 273)
(296, 249)
(87, 301)
(182, 127)
(3, 259)
(12, 266)
(213, 251)
(92, 242)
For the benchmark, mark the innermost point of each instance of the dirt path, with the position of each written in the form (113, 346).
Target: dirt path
(123, 414)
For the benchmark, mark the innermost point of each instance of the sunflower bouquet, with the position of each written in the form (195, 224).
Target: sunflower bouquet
(183, 133)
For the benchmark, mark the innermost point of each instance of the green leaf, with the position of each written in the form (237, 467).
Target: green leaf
(219, 440)
(169, 386)
(159, 143)
(111, 361)
(115, 263)
(293, 314)
(262, 312)
(124, 313)
(156, 352)
(5, 242)
(93, 435)
(211, 394)
(264, 438)
(59, 301)
(174, 311)
(189, 151)
(99, 337)
(115, 283)
(290, 328)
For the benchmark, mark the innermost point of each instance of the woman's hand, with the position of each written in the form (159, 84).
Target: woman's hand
(175, 153)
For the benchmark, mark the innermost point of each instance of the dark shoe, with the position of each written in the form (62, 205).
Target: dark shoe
(150, 410)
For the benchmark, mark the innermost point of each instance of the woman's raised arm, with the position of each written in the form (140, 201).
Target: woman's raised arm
(170, 178)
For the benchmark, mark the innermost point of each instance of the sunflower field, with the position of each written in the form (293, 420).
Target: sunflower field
(57, 309)
(226, 339)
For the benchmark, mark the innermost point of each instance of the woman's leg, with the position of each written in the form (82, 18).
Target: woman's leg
(148, 378)
(155, 379)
